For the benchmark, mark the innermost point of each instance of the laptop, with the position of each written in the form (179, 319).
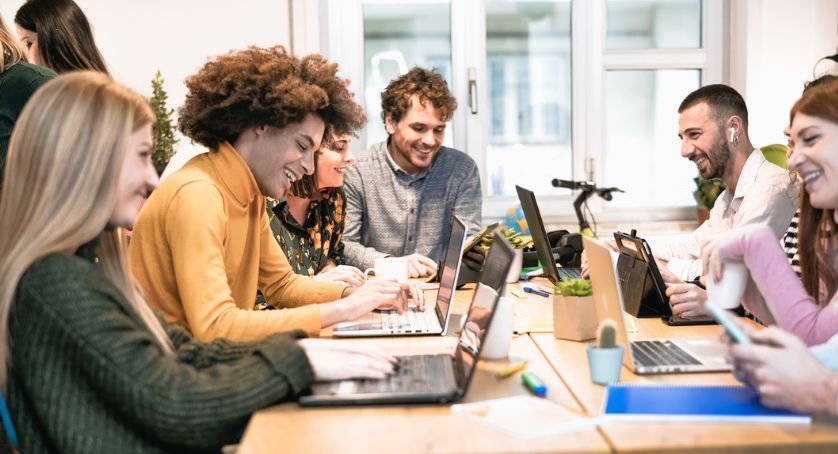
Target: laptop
(661, 356)
(539, 239)
(415, 322)
(425, 378)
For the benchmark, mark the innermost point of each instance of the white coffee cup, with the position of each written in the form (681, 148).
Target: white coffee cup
(728, 291)
(389, 268)
(498, 339)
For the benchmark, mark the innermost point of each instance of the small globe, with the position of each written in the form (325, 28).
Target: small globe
(516, 220)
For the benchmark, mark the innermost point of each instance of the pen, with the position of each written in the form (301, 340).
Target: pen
(534, 384)
(537, 292)
(512, 370)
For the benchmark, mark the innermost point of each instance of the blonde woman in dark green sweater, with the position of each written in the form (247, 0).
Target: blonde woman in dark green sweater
(89, 368)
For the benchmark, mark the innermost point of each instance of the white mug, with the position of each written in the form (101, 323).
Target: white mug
(389, 268)
(499, 337)
(727, 293)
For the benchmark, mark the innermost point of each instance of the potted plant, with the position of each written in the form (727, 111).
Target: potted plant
(705, 196)
(574, 311)
(605, 357)
(162, 129)
(519, 242)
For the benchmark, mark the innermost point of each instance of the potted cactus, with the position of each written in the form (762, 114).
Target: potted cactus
(605, 357)
(574, 311)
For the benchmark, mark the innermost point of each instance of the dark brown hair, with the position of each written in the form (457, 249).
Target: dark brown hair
(428, 84)
(723, 100)
(65, 40)
(265, 87)
(817, 228)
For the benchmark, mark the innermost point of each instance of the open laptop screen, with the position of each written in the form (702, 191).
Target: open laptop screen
(539, 233)
(481, 310)
(450, 268)
(496, 267)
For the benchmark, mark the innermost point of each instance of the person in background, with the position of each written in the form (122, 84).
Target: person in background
(713, 127)
(18, 81)
(308, 223)
(807, 309)
(57, 35)
(202, 244)
(86, 365)
(403, 193)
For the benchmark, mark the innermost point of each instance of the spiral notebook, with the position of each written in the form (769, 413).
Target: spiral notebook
(708, 403)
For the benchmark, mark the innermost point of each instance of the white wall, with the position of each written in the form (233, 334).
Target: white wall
(175, 36)
(775, 43)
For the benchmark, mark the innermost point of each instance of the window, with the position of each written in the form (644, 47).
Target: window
(571, 89)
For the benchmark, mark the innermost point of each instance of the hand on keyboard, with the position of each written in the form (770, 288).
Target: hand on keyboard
(379, 294)
(336, 360)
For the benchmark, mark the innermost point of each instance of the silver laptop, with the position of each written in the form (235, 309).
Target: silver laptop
(661, 356)
(433, 320)
(425, 378)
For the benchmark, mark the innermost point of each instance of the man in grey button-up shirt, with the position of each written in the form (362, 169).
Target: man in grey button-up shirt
(402, 195)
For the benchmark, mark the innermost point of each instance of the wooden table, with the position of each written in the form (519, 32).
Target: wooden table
(570, 362)
(563, 366)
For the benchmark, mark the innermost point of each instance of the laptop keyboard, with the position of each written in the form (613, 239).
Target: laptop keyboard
(412, 320)
(415, 374)
(569, 273)
(661, 353)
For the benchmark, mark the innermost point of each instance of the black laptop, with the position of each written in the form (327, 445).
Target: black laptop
(539, 238)
(426, 378)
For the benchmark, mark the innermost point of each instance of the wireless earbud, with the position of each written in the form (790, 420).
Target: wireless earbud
(732, 130)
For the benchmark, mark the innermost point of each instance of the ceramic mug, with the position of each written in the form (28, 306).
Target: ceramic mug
(389, 268)
(727, 293)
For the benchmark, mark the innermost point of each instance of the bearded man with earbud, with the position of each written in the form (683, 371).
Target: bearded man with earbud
(713, 127)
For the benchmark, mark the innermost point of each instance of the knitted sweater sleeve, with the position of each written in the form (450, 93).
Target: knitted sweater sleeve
(79, 336)
(793, 309)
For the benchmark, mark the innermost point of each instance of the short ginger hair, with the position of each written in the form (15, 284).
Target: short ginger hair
(265, 87)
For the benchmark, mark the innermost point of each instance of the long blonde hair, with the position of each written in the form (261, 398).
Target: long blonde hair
(64, 163)
(11, 51)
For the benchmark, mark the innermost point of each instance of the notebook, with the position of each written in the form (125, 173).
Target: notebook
(425, 378)
(709, 403)
(655, 356)
(433, 320)
(539, 238)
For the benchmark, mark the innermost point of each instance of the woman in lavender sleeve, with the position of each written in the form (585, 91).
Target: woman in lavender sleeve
(778, 363)
(775, 294)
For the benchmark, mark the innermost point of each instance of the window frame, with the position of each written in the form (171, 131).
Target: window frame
(589, 62)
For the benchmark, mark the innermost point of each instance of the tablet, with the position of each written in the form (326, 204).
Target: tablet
(654, 291)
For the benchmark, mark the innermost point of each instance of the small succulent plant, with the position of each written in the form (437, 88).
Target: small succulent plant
(573, 287)
(606, 334)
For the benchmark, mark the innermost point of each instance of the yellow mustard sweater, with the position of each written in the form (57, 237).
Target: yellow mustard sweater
(201, 247)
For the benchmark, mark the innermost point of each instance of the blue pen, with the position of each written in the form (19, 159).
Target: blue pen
(537, 292)
(534, 384)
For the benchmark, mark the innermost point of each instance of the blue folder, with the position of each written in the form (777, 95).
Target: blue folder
(692, 402)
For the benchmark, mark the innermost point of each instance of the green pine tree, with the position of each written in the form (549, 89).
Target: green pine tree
(162, 129)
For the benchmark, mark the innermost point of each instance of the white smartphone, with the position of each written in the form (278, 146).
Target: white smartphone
(726, 320)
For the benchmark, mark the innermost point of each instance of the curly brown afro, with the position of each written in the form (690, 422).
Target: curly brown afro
(265, 86)
(428, 84)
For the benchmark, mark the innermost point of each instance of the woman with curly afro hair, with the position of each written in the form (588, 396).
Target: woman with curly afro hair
(202, 244)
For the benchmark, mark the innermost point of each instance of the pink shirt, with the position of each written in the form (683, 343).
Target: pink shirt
(778, 295)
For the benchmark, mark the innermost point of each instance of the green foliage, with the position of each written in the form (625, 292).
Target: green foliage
(606, 334)
(573, 287)
(162, 129)
(707, 191)
(516, 239)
